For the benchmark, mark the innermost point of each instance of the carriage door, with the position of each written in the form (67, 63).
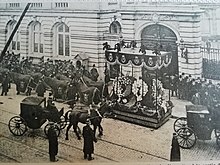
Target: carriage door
(166, 38)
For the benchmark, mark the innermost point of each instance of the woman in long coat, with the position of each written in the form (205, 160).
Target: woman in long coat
(89, 138)
(53, 144)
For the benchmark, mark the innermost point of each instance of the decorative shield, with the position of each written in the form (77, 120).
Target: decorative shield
(110, 57)
(59, 91)
(123, 59)
(22, 84)
(86, 97)
(150, 61)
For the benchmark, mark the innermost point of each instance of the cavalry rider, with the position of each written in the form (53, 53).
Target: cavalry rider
(72, 92)
(53, 111)
(41, 88)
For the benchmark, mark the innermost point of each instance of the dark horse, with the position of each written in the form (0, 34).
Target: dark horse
(77, 116)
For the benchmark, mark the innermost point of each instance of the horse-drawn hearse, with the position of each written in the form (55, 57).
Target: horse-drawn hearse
(33, 114)
(139, 97)
(199, 123)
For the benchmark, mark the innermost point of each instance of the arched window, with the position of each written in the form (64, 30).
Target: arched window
(115, 28)
(15, 43)
(36, 38)
(63, 40)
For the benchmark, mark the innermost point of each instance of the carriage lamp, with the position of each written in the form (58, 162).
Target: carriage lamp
(182, 47)
(184, 54)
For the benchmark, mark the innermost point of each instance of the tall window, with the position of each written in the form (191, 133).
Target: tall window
(15, 43)
(63, 40)
(115, 27)
(37, 38)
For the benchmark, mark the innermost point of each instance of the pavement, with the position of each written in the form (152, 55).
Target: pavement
(120, 142)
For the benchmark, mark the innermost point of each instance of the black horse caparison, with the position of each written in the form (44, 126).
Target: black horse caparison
(76, 116)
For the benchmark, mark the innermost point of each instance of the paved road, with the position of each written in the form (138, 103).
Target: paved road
(122, 142)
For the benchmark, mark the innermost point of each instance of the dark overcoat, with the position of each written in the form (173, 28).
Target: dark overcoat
(53, 141)
(41, 89)
(89, 138)
(175, 150)
(5, 84)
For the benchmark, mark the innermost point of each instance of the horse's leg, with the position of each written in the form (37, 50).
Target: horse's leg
(100, 130)
(67, 130)
(94, 128)
(75, 130)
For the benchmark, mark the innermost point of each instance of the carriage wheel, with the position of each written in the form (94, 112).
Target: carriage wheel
(186, 137)
(57, 129)
(62, 123)
(17, 126)
(179, 123)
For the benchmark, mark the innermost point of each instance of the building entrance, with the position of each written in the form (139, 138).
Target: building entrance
(163, 38)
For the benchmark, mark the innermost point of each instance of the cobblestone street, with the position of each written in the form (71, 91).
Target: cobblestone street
(122, 142)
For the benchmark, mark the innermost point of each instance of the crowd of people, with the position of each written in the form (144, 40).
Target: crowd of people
(199, 91)
(49, 68)
(14, 63)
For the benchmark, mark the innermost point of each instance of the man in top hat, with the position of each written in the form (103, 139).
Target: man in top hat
(89, 138)
(53, 143)
(175, 149)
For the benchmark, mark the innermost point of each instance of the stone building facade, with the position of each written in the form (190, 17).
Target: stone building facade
(62, 30)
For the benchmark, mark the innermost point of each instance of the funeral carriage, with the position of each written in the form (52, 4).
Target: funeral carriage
(139, 97)
(34, 114)
(198, 124)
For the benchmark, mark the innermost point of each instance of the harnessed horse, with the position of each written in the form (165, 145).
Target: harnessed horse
(95, 118)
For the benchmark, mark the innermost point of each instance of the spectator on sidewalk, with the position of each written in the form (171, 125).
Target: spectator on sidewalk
(5, 85)
(89, 138)
(53, 143)
(175, 149)
(196, 100)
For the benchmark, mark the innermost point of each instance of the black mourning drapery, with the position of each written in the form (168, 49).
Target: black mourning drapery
(149, 60)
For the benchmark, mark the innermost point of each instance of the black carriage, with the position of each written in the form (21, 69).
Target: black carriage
(199, 124)
(33, 114)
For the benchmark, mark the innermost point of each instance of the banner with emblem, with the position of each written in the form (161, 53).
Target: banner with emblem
(149, 60)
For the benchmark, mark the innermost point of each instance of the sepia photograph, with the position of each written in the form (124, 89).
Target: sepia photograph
(110, 81)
